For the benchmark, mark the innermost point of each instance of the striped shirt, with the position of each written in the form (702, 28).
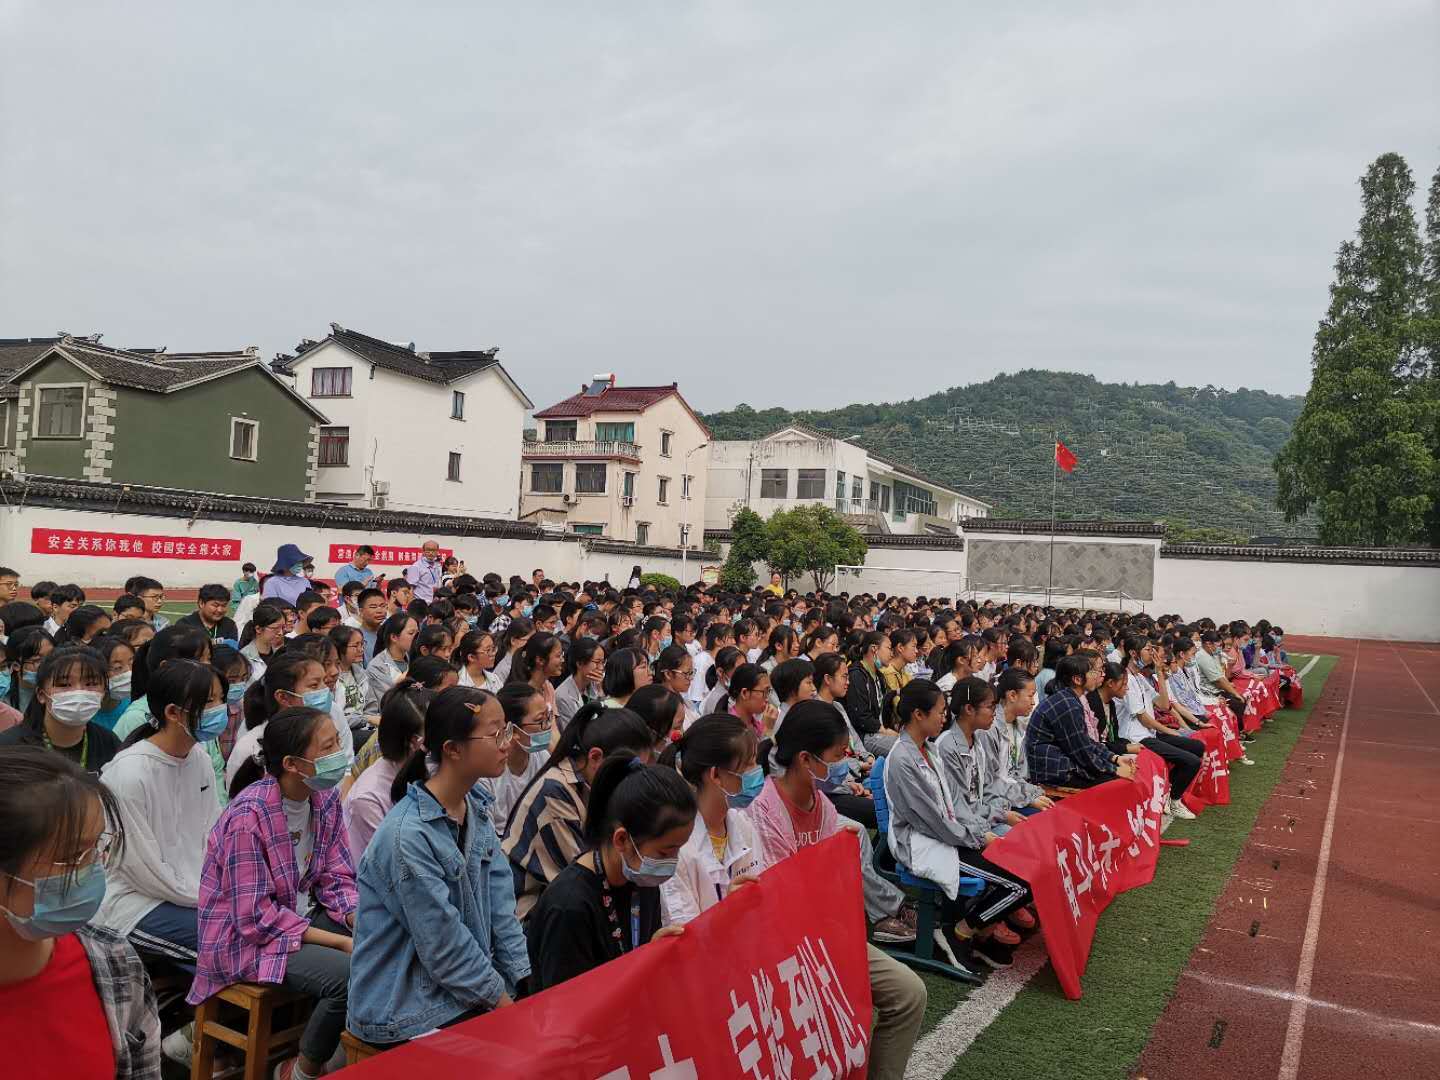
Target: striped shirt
(544, 833)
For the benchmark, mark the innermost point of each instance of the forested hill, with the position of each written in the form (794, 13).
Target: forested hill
(1195, 457)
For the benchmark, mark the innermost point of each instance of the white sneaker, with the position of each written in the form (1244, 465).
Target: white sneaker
(178, 1045)
(1247, 760)
(1181, 811)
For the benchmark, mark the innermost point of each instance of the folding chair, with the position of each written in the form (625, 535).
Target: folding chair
(925, 892)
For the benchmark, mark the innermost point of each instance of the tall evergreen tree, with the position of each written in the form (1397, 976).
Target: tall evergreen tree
(1359, 453)
(1429, 388)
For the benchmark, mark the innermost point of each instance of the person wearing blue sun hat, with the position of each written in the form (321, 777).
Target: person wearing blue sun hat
(287, 577)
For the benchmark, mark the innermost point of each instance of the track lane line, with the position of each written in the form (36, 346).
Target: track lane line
(1416, 681)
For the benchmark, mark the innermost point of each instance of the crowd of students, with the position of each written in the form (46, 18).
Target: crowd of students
(417, 800)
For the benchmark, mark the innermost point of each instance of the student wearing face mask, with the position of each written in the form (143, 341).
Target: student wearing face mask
(288, 681)
(287, 577)
(527, 713)
(277, 888)
(166, 789)
(607, 902)
(717, 758)
(75, 998)
(367, 800)
(119, 660)
(70, 685)
(437, 940)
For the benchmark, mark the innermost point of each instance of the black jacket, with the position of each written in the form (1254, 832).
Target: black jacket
(224, 629)
(865, 700)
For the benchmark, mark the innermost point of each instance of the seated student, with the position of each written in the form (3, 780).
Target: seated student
(391, 660)
(320, 648)
(717, 754)
(1056, 649)
(1062, 740)
(662, 710)
(322, 620)
(288, 679)
(9, 715)
(350, 683)
(211, 604)
(586, 666)
(832, 681)
(675, 671)
(77, 1002)
(941, 833)
(715, 636)
(366, 801)
(172, 643)
(24, 652)
(166, 789)
(475, 657)
(717, 679)
(262, 637)
(517, 634)
(791, 682)
(607, 902)
(64, 599)
(41, 595)
(83, 625)
(821, 640)
(749, 694)
(1136, 715)
(129, 606)
(904, 651)
(626, 670)
(544, 831)
(541, 660)
(956, 663)
(865, 700)
(277, 887)
(526, 713)
(69, 687)
(436, 938)
(1212, 681)
(119, 660)
(431, 639)
(794, 682)
(1001, 746)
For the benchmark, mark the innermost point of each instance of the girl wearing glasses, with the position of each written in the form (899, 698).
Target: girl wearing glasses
(76, 1000)
(436, 937)
(533, 730)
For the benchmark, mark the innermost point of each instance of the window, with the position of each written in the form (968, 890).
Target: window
(4, 423)
(774, 483)
(857, 489)
(910, 499)
(590, 478)
(685, 486)
(457, 405)
(452, 472)
(560, 430)
(811, 484)
(880, 496)
(642, 532)
(547, 478)
(330, 382)
(664, 496)
(60, 412)
(588, 530)
(334, 446)
(614, 432)
(627, 485)
(665, 437)
(244, 439)
(839, 489)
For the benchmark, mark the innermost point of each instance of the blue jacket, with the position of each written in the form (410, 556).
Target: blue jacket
(435, 932)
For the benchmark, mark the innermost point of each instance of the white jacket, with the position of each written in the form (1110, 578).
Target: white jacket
(167, 806)
(700, 882)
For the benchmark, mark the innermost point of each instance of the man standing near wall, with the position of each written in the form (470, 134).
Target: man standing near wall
(356, 568)
(424, 573)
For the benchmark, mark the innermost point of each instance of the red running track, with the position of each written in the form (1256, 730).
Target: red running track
(1320, 960)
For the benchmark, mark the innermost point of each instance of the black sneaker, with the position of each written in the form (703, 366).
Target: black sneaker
(962, 957)
(991, 952)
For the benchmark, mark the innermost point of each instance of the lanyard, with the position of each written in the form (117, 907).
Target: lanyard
(84, 745)
(610, 913)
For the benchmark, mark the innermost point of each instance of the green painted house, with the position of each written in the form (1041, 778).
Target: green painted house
(217, 422)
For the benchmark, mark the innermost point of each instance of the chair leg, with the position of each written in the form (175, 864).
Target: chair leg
(202, 1061)
(925, 927)
(257, 1042)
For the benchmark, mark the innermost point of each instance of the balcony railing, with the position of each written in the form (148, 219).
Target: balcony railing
(582, 448)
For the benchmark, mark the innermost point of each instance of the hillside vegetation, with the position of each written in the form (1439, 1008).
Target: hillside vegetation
(1197, 458)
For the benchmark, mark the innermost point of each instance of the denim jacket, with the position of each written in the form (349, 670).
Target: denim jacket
(435, 934)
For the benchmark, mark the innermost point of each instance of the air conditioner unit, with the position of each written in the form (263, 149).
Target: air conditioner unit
(381, 501)
(382, 487)
(569, 500)
(627, 500)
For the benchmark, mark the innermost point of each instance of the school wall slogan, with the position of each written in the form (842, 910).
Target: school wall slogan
(773, 982)
(132, 545)
(1081, 854)
(384, 556)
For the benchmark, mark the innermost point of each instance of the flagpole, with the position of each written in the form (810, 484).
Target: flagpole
(1054, 488)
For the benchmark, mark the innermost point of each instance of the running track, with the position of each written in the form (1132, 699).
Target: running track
(1320, 960)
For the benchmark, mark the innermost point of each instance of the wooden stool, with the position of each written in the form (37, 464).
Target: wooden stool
(258, 1041)
(355, 1050)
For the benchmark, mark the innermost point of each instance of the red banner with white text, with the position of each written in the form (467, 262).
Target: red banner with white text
(385, 554)
(1082, 853)
(132, 545)
(773, 982)
(1211, 786)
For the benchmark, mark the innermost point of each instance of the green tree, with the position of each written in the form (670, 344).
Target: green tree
(814, 540)
(1428, 383)
(1358, 453)
(749, 544)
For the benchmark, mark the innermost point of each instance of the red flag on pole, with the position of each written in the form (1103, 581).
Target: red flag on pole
(1064, 456)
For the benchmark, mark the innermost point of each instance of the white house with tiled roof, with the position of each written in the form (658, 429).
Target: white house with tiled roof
(432, 432)
(799, 465)
(624, 462)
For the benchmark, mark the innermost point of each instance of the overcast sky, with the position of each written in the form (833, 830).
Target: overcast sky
(798, 204)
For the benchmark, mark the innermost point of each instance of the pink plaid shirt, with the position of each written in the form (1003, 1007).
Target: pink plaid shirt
(248, 926)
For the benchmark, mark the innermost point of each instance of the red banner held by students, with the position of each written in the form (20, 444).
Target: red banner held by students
(132, 545)
(1211, 786)
(1081, 854)
(774, 982)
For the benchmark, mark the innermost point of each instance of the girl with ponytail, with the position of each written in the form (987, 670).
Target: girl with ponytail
(427, 954)
(530, 720)
(367, 799)
(717, 758)
(608, 902)
(543, 833)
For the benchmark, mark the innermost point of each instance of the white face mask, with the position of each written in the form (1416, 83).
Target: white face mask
(75, 708)
(120, 684)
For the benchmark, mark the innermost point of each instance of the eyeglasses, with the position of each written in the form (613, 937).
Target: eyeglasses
(501, 737)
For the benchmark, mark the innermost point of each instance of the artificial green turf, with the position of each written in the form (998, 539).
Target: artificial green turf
(1132, 971)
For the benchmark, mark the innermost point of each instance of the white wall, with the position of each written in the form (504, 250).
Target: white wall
(402, 427)
(1400, 603)
(562, 560)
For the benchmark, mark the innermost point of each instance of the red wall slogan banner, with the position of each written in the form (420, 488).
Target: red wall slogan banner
(131, 545)
(384, 556)
(1081, 854)
(773, 982)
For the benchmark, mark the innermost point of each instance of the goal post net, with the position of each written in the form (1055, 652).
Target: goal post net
(905, 581)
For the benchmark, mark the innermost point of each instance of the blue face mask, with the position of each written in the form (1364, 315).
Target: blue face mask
(472, 621)
(4, 683)
(539, 742)
(665, 642)
(836, 772)
(752, 782)
(316, 699)
(651, 873)
(27, 678)
(526, 609)
(297, 570)
(329, 771)
(235, 694)
(60, 910)
(213, 722)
